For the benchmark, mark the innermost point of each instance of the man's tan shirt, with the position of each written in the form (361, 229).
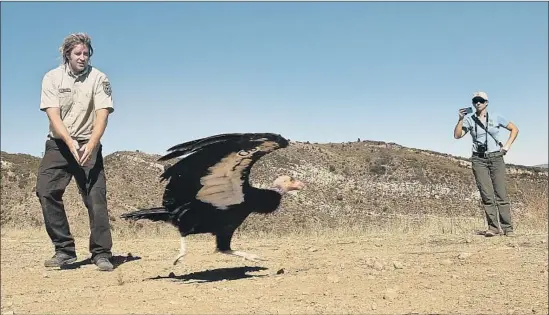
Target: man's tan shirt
(78, 97)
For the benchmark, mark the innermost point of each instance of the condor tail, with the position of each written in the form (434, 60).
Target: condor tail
(153, 214)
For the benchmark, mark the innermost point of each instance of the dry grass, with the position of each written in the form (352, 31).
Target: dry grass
(399, 225)
(361, 187)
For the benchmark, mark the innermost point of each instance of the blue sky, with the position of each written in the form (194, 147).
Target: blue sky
(311, 71)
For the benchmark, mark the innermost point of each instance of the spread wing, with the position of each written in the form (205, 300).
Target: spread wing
(215, 169)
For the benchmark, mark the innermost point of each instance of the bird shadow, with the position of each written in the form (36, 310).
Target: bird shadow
(213, 275)
(116, 261)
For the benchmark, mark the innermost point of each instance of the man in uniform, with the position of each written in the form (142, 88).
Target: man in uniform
(77, 100)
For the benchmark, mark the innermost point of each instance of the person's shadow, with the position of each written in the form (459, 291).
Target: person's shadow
(212, 275)
(116, 261)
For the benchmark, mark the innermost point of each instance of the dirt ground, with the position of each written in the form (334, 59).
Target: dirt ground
(368, 274)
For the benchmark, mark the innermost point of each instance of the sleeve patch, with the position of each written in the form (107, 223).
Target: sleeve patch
(107, 88)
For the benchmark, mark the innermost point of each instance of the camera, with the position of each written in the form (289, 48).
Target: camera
(482, 148)
(467, 110)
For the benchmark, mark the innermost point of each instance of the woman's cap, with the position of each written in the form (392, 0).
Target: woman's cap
(480, 94)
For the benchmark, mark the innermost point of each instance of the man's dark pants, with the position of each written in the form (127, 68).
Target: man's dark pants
(56, 169)
(490, 174)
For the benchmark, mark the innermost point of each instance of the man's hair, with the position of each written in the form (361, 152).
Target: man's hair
(71, 41)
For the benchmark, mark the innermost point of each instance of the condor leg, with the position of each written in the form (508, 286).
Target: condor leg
(182, 251)
(223, 242)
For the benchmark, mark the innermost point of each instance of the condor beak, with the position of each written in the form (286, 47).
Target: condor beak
(297, 185)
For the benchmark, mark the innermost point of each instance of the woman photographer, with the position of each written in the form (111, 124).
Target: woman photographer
(487, 161)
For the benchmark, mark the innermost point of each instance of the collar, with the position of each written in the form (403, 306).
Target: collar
(76, 76)
(486, 114)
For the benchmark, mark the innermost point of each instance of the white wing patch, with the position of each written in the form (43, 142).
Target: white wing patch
(223, 185)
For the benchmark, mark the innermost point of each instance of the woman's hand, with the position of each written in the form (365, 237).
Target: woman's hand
(462, 112)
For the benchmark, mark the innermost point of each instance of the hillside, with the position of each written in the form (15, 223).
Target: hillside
(355, 183)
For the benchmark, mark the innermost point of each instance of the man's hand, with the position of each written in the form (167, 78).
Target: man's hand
(54, 116)
(101, 118)
(86, 152)
(73, 147)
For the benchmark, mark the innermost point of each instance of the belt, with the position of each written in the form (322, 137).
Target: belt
(487, 154)
(58, 139)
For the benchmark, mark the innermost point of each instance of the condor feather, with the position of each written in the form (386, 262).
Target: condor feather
(208, 189)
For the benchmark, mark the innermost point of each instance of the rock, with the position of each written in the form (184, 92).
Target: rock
(280, 271)
(312, 249)
(373, 306)
(464, 255)
(398, 265)
(171, 275)
(455, 276)
(378, 266)
(333, 278)
(390, 294)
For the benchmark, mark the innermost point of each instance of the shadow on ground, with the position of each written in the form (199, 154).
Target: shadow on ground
(213, 275)
(116, 261)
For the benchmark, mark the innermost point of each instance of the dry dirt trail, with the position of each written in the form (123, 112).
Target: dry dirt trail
(375, 274)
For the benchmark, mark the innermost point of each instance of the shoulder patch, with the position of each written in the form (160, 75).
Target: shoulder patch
(107, 88)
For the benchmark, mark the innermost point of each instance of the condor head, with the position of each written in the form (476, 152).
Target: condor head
(287, 183)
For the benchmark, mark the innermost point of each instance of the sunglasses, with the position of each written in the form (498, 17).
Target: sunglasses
(479, 100)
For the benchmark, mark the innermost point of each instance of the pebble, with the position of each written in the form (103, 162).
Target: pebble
(398, 265)
(390, 294)
(464, 255)
(378, 266)
(333, 278)
(373, 306)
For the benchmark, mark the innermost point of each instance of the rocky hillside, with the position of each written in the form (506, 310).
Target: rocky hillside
(347, 183)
